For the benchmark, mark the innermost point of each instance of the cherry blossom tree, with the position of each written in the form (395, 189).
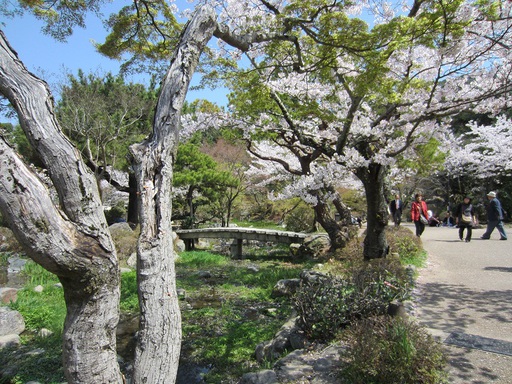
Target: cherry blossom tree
(483, 151)
(363, 85)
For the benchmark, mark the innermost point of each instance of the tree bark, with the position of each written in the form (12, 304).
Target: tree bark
(72, 240)
(158, 348)
(338, 232)
(373, 179)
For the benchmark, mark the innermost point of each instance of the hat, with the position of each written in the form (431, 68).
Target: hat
(491, 194)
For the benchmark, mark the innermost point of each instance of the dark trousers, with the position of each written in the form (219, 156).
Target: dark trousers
(420, 227)
(397, 218)
(468, 232)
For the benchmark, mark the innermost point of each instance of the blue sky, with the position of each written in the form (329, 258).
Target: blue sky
(51, 60)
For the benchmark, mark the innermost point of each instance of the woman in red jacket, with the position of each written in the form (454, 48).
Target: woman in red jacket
(419, 209)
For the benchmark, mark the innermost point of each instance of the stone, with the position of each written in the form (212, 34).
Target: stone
(266, 376)
(44, 333)
(38, 288)
(132, 261)
(9, 340)
(8, 295)
(11, 322)
(286, 287)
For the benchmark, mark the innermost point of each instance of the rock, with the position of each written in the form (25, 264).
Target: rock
(8, 295)
(286, 287)
(275, 348)
(295, 249)
(181, 293)
(204, 274)
(262, 377)
(309, 276)
(43, 332)
(16, 264)
(132, 261)
(314, 246)
(120, 227)
(38, 289)
(9, 340)
(11, 322)
(125, 270)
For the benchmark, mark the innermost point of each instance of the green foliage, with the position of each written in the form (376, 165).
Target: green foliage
(129, 293)
(230, 312)
(103, 115)
(388, 350)
(301, 219)
(401, 240)
(144, 31)
(36, 360)
(328, 304)
(204, 182)
(46, 309)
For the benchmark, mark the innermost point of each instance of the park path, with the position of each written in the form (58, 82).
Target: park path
(464, 297)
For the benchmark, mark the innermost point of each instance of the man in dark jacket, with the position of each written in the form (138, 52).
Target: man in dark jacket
(494, 217)
(396, 207)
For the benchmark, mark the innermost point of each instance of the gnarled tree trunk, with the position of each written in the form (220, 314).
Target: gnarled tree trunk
(158, 349)
(373, 179)
(339, 232)
(71, 240)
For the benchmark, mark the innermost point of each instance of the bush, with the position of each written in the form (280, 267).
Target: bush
(326, 305)
(389, 350)
(301, 219)
(408, 246)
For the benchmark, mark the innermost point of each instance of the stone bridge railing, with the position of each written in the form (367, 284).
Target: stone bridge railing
(239, 234)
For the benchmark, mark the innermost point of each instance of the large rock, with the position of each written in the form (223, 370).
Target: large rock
(314, 246)
(286, 287)
(266, 376)
(289, 337)
(8, 295)
(9, 341)
(11, 322)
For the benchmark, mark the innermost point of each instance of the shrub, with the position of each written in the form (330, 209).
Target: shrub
(387, 350)
(301, 219)
(408, 246)
(326, 305)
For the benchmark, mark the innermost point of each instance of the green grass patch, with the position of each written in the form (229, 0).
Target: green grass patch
(44, 309)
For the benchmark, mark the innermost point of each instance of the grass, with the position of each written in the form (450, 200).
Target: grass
(39, 358)
(229, 309)
(224, 318)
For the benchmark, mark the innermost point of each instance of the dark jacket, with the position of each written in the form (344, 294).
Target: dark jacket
(494, 210)
(394, 207)
(466, 209)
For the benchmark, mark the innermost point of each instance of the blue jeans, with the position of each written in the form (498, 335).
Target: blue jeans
(490, 227)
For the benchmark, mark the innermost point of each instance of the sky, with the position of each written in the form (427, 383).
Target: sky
(52, 60)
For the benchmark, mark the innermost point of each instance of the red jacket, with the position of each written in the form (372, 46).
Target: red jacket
(415, 210)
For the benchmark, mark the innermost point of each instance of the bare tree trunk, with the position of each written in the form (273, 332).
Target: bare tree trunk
(72, 240)
(373, 179)
(158, 348)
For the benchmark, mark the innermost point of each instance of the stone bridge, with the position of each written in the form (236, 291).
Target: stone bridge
(238, 234)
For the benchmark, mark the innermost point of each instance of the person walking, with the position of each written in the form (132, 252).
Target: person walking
(419, 213)
(465, 218)
(494, 217)
(396, 207)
